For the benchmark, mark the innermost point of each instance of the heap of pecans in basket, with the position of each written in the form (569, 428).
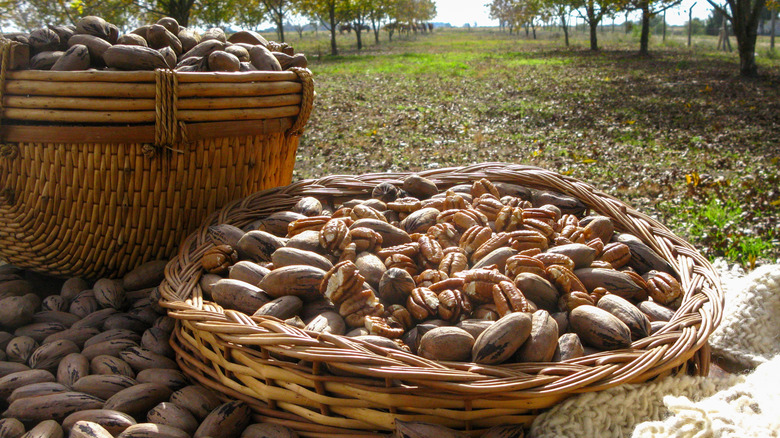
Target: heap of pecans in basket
(482, 272)
(93, 43)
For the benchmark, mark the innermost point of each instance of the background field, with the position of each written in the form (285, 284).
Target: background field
(677, 135)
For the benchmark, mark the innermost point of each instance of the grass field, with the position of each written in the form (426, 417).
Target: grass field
(678, 135)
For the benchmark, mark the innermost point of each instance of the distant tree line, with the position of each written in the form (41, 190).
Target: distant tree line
(358, 15)
(742, 15)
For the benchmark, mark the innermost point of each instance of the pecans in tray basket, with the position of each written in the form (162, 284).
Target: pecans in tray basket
(475, 273)
(93, 43)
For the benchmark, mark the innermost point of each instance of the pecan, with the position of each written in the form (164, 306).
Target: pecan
(218, 259)
(430, 276)
(539, 225)
(509, 219)
(437, 203)
(410, 250)
(488, 205)
(568, 220)
(355, 310)
(617, 254)
(381, 326)
(401, 315)
(564, 279)
(487, 312)
(551, 258)
(556, 212)
(343, 212)
(484, 185)
(365, 239)
(596, 244)
(362, 211)
(308, 206)
(341, 281)
(431, 251)
(599, 226)
(662, 287)
(520, 263)
(423, 304)
(444, 233)
(385, 192)
(527, 239)
(508, 298)
(642, 283)
(402, 262)
(474, 237)
(496, 241)
(478, 285)
(314, 223)
(467, 218)
(514, 201)
(334, 236)
(453, 306)
(573, 233)
(601, 264)
(597, 293)
(543, 214)
(350, 253)
(571, 300)
(449, 283)
(560, 240)
(454, 261)
(405, 205)
(453, 201)
(396, 285)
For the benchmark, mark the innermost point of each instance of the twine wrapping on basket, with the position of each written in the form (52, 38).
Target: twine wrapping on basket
(322, 384)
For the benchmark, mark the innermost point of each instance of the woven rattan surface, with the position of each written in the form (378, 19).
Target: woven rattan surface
(323, 384)
(103, 171)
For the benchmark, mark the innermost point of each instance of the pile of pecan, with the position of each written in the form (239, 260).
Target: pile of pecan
(413, 259)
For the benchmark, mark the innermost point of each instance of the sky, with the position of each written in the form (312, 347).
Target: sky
(459, 12)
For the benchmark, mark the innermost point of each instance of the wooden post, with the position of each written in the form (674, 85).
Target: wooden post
(690, 23)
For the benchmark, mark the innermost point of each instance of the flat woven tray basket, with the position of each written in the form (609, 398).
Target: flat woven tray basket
(102, 171)
(322, 384)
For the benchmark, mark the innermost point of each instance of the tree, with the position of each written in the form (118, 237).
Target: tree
(330, 13)
(560, 9)
(215, 13)
(278, 10)
(358, 13)
(650, 9)
(593, 11)
(743, 15)
(377, 14)
(249, 14)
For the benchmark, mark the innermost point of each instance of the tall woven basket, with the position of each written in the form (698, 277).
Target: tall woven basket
(323, 384)
(102, 171)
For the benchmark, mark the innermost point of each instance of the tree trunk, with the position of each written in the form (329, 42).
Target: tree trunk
(533, 30)
(746, 45)
(772, 32)
(280, 27)
(644, 39)
(565, 28)
(332, 16)
(594, 24)
(358, 34)
(664, 34)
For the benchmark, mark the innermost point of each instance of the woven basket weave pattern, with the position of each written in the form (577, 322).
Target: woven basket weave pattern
(92, 197)
(322, 384)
